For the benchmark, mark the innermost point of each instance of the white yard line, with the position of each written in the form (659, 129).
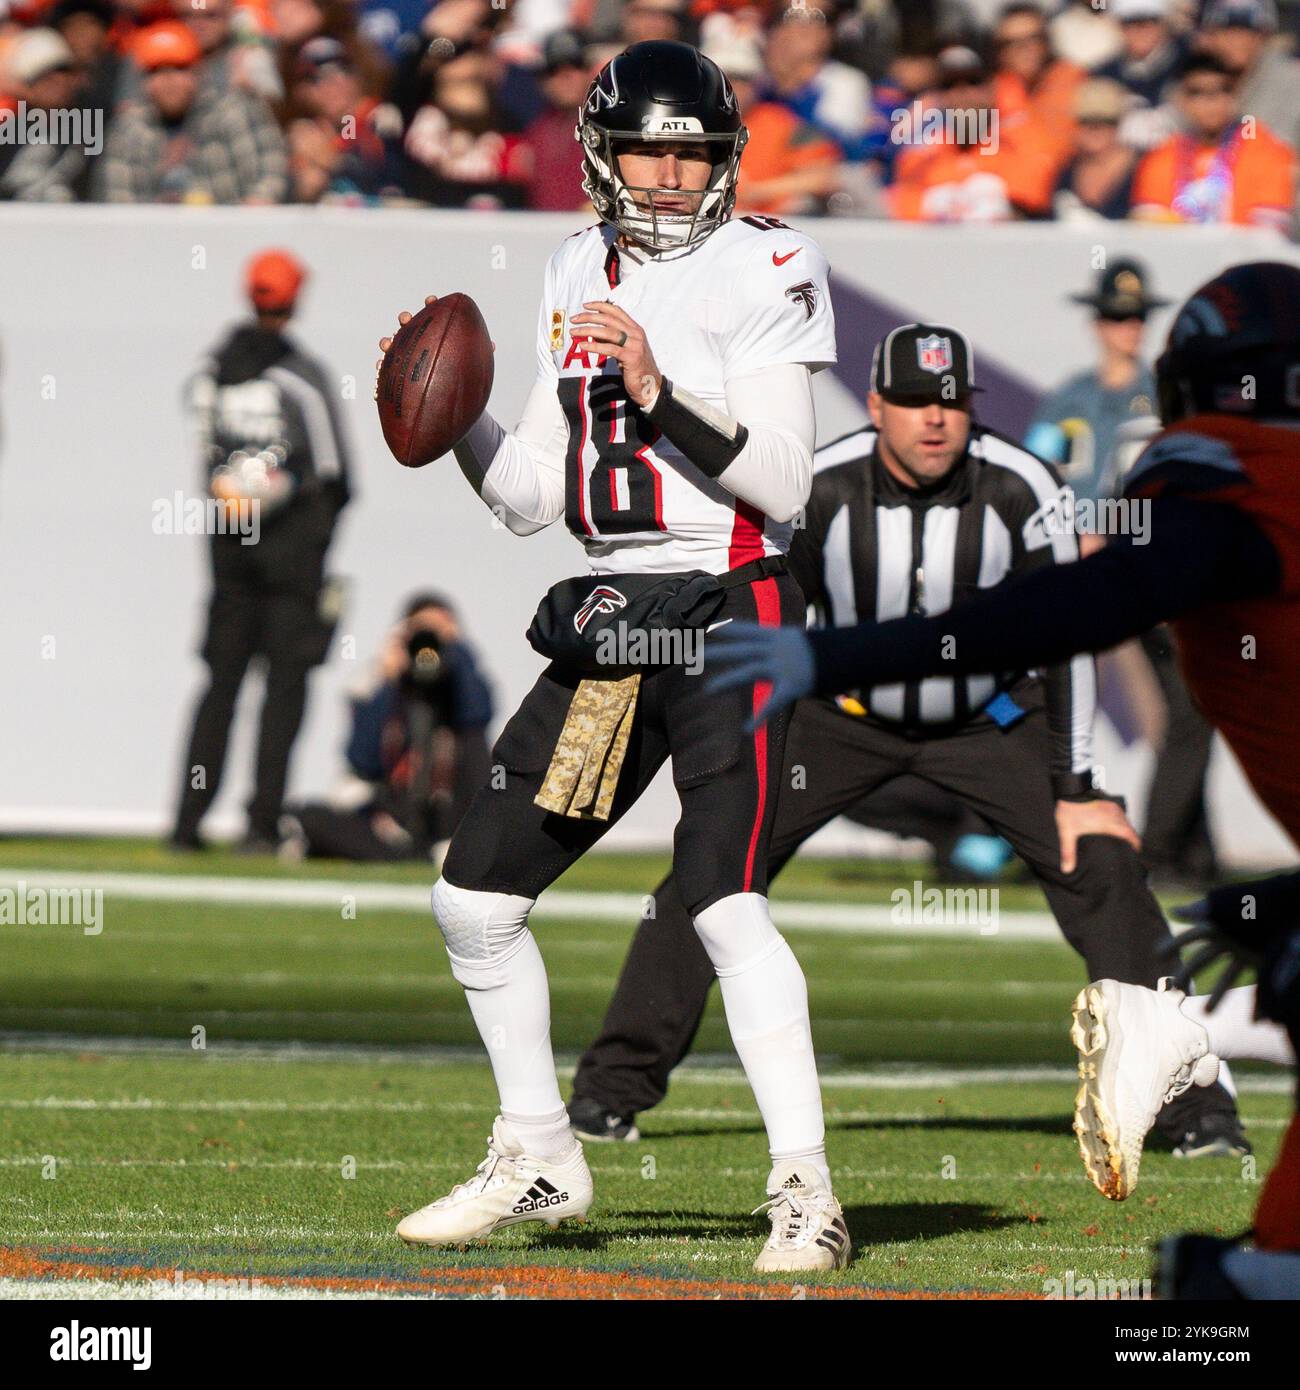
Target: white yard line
(162, 1289)
(709, 1069)
(360, 896)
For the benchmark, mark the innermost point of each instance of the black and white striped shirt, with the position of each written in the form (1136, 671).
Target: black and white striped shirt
(871, 549)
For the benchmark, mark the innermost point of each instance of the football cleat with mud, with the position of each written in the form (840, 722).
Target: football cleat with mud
(1137, 1050)
(808, 1230)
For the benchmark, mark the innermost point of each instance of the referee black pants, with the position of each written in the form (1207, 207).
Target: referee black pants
(1104, 908)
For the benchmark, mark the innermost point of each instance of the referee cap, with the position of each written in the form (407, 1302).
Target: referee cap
(923, 362)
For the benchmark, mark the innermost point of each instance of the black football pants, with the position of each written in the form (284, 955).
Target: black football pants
(265, 603)
(1104, 907)
(726, 778)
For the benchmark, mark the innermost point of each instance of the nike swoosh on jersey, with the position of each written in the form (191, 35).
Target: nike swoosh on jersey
(723, 623)
(789, 255)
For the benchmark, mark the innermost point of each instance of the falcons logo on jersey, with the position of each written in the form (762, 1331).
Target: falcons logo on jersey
(602, 599)
(805, 293)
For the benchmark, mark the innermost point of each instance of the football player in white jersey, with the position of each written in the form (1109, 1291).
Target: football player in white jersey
(671, 425)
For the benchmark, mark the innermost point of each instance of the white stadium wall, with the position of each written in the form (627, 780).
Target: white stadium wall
(103, 312)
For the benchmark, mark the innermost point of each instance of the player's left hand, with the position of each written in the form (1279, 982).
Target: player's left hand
(780, 657)
(1074, 819)
(1213, 946)
(613, 332)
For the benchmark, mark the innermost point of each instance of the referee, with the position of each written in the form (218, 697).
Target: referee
(918, 514)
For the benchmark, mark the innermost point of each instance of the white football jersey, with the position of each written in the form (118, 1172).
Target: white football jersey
(753, 295)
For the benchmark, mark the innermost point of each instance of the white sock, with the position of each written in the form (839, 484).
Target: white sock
(1234, 1031)
(814, 1159)
(542, 1136)
(514, 1021)
(495, 957)
(766, 1001)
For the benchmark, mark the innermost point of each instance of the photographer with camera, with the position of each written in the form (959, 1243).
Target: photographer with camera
(417, 750)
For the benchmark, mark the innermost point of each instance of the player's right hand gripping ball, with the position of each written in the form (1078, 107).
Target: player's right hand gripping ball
(435, 380)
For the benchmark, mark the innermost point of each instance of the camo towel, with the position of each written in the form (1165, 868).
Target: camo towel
(589, 753)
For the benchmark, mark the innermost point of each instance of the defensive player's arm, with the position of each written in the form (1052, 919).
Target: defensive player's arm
(1197, 553)
(1045, 537)
(782, 330)
(520, 475)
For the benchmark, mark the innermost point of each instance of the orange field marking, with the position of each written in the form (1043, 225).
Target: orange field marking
(480, 1281)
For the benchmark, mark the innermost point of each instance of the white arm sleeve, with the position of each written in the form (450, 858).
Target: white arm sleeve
(520, 476)
(775, 468)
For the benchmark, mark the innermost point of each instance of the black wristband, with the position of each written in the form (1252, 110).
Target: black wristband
(1074, 786)
(710, 448)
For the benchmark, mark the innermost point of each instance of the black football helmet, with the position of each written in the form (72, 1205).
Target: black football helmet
(660, 91)
(1234, 348)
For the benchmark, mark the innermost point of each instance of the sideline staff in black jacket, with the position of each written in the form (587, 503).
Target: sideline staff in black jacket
(273, 455)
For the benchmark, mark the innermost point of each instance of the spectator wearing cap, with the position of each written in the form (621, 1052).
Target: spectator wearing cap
(555, 172)
(86, 27)
(234, 54)
(1086, 31)
(965, 177)
(1242, 34)
(789, 166)
(345, 145)
(50, 164)
(1030, 82)
(1219, 168)
(182, 144)
(1152, 55)
(272, 449)
(460, 150)
(1098, 180)
(449, 30)
(803, 76)
(1077, 425)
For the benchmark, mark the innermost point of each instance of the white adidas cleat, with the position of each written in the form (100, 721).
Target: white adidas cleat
(1137, 1050)
(508, 1187)
(808, 1230)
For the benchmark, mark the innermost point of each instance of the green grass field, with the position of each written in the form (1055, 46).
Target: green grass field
(129, 1153)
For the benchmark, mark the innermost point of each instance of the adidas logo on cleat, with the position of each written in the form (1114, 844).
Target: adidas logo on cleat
(794, 1180)
(540, 1195)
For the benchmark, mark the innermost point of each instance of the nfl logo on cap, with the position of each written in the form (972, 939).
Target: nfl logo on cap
(934, 354)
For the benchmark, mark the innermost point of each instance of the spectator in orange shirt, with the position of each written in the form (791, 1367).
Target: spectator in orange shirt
(965, 163)
(1031, 84)
(789, 166)
(1222, 167)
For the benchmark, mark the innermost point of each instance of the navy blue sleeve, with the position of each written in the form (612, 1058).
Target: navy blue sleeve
(1197, 553)
(471, 698)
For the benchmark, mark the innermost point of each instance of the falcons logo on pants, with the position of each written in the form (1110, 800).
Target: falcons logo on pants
(602, 599)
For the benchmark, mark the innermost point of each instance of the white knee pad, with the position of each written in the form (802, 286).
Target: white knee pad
(482, 931)
(737, 932)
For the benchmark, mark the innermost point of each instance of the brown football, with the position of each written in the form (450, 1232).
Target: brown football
(435, 381)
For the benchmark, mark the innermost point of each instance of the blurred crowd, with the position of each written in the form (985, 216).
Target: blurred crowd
(930, 110)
